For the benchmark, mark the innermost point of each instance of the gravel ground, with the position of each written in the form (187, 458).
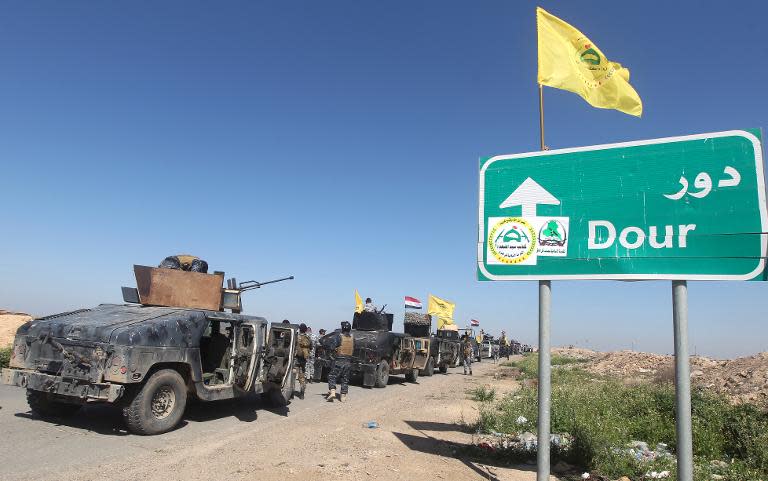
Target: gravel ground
(420, 427)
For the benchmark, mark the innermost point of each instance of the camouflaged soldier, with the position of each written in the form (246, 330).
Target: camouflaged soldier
(344, 345)
(302, 355)
(468, 352)
(311, 359)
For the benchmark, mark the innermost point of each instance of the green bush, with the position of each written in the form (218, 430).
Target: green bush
(482, 394)
(5, 356)
(604, 414)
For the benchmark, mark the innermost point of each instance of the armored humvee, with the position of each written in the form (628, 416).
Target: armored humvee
(379, 352)
(486, 347)
(445, 349)
(148, 359)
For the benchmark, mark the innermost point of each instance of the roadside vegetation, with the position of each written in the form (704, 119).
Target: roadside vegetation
(482, 394)
(604, 415)
(5, 356)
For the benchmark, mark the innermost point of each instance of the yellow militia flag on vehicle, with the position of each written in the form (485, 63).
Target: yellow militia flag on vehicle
(358, 302)
(568, 60)
(442, 309)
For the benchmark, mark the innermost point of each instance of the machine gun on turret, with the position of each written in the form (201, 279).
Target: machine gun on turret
(192, 290)
(230, 297)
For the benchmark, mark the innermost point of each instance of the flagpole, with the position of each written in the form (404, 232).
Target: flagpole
(541, 115)
(545, 374)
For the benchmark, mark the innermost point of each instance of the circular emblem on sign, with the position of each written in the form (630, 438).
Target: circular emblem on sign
(553, 233)
(512, 240)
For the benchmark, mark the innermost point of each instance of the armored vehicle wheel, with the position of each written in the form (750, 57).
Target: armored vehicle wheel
(429, 369)
(412, 375)
(382, 374)
(159, 404)
(44, 405)
(443, 368)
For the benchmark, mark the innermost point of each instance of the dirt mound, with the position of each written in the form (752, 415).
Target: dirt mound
(744, 379)
(9, 322)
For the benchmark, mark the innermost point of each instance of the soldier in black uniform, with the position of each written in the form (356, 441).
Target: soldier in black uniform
(302, 354)
(344, 345)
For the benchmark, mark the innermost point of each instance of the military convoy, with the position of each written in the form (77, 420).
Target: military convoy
(181, 335)
(172, 340)
(380, 353)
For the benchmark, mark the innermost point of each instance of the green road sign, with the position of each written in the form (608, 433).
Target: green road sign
(688, 207)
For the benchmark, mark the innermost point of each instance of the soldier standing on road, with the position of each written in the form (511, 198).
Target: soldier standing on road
(344, 345)
(302, 355)
(311, 358)
(504, 344)
(468, 351)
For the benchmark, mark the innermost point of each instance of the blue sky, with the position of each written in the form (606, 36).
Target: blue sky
(338, 142)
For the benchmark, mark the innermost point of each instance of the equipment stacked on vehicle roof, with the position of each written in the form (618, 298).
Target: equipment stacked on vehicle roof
(417, 324)
(149, 355)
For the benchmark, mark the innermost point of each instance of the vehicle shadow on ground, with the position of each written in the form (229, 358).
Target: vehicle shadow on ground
(245, 409)
(435, 426)
(242, 409)
(108, 420)
(393, 381)
(425, 443)
(105, 420)
(400, 381)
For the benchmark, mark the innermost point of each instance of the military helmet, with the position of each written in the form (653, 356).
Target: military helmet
(302, 327)
(346, 326)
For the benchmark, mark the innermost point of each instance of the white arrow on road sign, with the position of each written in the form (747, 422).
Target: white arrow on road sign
(528, 194)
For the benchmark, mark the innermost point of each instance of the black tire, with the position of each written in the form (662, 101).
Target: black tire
(159, 404)
(429, 369)
(412, 375)
(443, 368)
(46, 406)
(382, 374)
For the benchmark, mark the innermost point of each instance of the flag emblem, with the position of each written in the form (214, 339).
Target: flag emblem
(474, 322)
(412, 302)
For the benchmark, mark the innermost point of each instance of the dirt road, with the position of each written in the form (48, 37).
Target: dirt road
(314, 439)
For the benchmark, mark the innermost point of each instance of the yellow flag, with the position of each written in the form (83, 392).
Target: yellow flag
(442, 309)
(568, 60)
(358, 302)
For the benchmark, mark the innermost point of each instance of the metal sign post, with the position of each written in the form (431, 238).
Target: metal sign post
(545, 367)
(682, 381)
(545, 379)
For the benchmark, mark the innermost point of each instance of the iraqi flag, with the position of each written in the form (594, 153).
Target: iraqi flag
(474, 322)
(412, 303)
